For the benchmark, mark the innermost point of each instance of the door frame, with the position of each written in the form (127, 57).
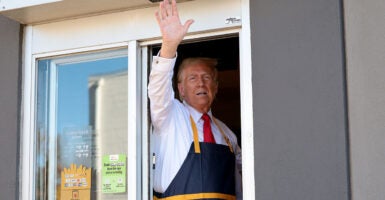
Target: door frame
(246, 104)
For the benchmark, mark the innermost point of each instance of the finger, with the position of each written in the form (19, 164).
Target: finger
(168, 8)
(162, 10)
(174, 9)
(187, 25)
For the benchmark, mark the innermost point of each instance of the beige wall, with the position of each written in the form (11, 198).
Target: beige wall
(365, 47)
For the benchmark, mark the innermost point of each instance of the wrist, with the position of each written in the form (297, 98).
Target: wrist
(167, 51)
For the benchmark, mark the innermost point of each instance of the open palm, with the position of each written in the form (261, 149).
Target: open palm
(170, 26)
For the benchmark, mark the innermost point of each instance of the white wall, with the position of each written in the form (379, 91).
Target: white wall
(365, 46)
(129, 25)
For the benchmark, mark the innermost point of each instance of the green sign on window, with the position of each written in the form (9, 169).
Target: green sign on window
(114, 173)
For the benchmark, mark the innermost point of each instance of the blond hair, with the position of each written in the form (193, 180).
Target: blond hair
(209, 62)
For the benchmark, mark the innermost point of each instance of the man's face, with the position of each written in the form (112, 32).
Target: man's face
(198, 86)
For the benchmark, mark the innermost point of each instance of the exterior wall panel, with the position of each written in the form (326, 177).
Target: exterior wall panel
(299, 100)
(9, 106)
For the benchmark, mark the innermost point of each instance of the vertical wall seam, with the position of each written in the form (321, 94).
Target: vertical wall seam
(345, 98)
(19, 104)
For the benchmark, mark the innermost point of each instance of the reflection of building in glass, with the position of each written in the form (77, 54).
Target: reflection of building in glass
(75, 146)
(108, 115)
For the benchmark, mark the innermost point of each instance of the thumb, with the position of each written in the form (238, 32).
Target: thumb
(187, 24)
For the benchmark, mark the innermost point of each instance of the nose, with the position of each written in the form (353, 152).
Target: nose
(200, 81)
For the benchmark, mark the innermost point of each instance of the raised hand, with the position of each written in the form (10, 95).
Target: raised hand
(171, 28)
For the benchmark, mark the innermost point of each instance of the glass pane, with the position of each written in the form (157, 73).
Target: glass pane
(81, 127)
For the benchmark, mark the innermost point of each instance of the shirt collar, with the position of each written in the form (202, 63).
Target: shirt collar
(195, 114)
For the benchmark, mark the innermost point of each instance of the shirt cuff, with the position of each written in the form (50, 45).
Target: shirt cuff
(163, 64)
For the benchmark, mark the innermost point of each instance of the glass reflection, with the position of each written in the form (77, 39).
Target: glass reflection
(81, 117)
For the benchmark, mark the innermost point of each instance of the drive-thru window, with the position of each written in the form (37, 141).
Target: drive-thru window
(86, 130)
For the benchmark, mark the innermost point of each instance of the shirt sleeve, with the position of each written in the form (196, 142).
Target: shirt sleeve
(160, 90)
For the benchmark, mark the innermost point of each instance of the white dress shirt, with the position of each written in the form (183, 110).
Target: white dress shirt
(173, 134)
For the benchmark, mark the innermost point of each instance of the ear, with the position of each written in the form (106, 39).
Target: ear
(181, 90)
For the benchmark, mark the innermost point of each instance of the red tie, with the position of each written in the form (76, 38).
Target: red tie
(207, 133)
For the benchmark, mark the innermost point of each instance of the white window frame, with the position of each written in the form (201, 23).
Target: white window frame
(247, 125)
(137, 83)
(246, 104)
(29, 109)
(52, 144)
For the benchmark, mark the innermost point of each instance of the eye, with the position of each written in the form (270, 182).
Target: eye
(207, 77)
(192, 78)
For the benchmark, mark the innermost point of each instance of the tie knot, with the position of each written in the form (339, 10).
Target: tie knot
(205, 117)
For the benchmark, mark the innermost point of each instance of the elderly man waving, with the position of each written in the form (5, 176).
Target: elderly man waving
(197, 155)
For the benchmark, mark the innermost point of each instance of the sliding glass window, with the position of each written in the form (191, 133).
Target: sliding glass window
(81, 126)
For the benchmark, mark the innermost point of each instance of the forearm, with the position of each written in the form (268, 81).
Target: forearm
(160, 89)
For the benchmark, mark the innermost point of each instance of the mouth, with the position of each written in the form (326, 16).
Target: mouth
(202, 93)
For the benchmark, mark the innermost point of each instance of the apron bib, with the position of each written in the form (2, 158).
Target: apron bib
(208, 172)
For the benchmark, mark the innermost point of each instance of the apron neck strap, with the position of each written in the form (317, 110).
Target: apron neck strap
(223, 134)
(196, 140)
(195, 135)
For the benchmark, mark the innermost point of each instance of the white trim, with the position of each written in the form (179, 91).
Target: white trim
(136, 24)
(81, 50)
(52, 144)
(134, 128)
(247, 105)
(7, 5)
(233, 30)
(27, 139)
(145, 134)
(81, 57)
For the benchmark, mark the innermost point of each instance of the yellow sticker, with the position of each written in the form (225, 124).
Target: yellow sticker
(76, 183)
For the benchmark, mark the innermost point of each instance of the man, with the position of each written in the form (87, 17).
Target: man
(197, 156)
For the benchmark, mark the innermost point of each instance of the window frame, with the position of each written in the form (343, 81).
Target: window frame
(28, 152)
(246, 102)
(52, 100)
(138, 63)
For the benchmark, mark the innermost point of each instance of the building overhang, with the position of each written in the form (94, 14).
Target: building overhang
(41, 11)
